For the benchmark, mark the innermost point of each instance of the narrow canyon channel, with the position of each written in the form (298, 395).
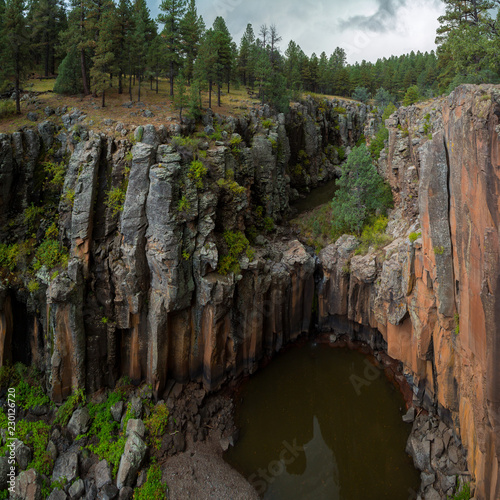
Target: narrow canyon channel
(323, 423)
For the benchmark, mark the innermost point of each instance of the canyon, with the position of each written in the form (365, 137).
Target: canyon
(142, 295)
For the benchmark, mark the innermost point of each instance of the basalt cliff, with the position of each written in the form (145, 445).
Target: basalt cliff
(142, 294)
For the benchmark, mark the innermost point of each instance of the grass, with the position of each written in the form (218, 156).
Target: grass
(153, 487)
(316, 227)
(236, 103)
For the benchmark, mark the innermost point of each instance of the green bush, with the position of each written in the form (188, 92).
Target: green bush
(50, 254)
(36, 435)
(388, 112)
(340, 110)
(197, 172)
(361, 193)
(415, 236)
(378, 143)
(9, 255)
(267, 123)
(156, 424)
(373, 235)
(30, 394)
(153, 487)
(69, 80)
(110, 442)
(183, 205)
(237, 244)
(70, 405)
(115, 200)
(7, 108)
(412, 96)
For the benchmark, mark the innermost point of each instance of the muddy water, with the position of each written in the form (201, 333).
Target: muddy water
(318, 196)
(323, 424)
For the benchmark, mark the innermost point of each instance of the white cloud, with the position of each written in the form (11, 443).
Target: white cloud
(366, 29)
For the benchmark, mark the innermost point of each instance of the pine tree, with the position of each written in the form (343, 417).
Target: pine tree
(181, 98)
(222, 45)
(122, 40)
(205, 68)
(246, 62)
(15, 52)
(173, 12)
(48, 20)
(103, 57)
(192, 28)
(361, 192)
(143, 34)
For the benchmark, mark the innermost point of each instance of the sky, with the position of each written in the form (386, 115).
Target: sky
(366, 29)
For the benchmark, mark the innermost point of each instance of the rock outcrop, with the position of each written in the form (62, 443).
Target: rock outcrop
(435, 297)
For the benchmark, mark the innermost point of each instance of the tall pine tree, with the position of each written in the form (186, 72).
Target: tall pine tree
(173, 12)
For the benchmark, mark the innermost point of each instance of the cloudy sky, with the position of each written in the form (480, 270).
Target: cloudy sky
(366, 29)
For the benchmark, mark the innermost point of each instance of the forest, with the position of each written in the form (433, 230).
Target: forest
(95, 45)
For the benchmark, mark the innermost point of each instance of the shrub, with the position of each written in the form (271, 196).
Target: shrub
(7, 108)
(361, 193)
(237, 244)
(156, 424)
(415, 236)
(457, 324)
(378, 143)
(36, 436)
(197, 172)
(69, 406)
(30, 394)
(361, 94)
(110, 443)
(50, 254)
(115, 200)
(388, 111)
(439, 250)
(183, 205)
(69, 79)
(412, 96)
(33, 286)
(267, 124)
(340, 110)
(32, 216)
(373, 235)
(9, 255)
(55, 173)
(153, 487)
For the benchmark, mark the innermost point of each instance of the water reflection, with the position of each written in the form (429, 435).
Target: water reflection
(307, 431)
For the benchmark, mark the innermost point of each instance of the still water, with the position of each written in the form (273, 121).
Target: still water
(318, 196)
(320, 423)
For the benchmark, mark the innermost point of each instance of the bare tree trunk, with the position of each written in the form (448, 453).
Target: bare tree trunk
(103, 99)
(171, 78)
(86, 90)
(218, 94)
(210, 94)
(16, 87)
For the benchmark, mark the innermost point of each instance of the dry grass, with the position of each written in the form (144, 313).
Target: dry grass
(237, 102)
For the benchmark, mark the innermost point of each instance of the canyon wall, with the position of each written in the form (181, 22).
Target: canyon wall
(142, 297)
(435, 296)
(147, 221)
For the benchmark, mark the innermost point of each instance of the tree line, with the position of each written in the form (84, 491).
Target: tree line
(93, 45)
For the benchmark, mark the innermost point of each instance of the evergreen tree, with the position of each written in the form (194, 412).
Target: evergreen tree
(192, 27)
(205, 68)
(181, 98)
(15, 51)
(122, 40)
(361, 193)
(103, 56)
(291, 68)
(222, 46)
(246, 60)
(383, 98)
(48, 20)
(143, 34)
(361, 94)
(173, 13)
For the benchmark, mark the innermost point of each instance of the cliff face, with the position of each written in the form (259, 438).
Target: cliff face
(141, 295)
(436, 300)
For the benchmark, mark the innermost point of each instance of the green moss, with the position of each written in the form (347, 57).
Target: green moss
(183, 205)
(340, 110)
(50, 254)
(36, 435)
(9, 255)
(153, 487)
(115, 200)
(156, 424)
(439, 250)
(70, 405)
(415, 236)
(267, 123)
(29, 392)
(197, 171)
(237, 244)
(33, 286)
(457, 324)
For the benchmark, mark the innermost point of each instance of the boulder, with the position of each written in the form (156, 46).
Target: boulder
(23, 454)
(137, 426)
(133, 455)
(102, 474)
(57, 494)
(77, 490)
(28, 486)
(66, 466)
(79, 422)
